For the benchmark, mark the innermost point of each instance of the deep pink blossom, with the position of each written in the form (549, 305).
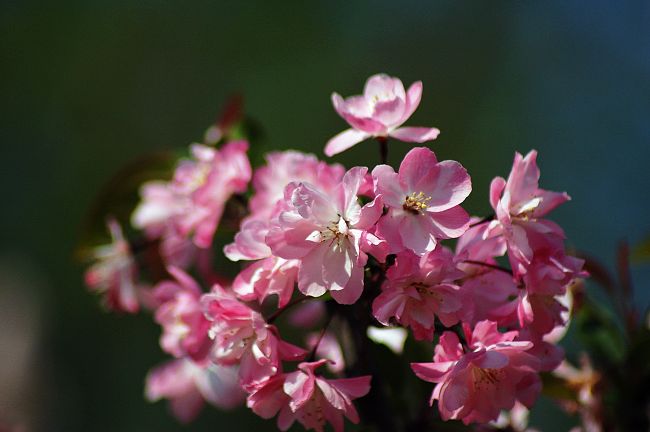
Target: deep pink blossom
(327, 233)
(185, 328)
(423, 199)
(114, 271)
(310, 399)
(379, 112)
(475, 386)
(488, 293)
(188, 385)
(520, 205)
(417, 289)
(241, 336)
(270, 276)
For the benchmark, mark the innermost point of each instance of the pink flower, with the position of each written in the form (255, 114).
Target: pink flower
(488, 293)
(327, 233)
(519, 204)
(423, 200)
(241, 336)
(417, 289)
(310, 399)
(185, 328)
(475, 386)
(283, 168)
(379, 112)
(270, 276)
(191, 204)
(228, 171)
(250, 241)
(189, 385)
(113, 273)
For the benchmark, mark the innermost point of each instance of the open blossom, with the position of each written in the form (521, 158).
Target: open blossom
(327, 233)
(384, 106)
(113, 273)
(188, 385)
(423, 201)
(417, 289)
(475, 386)
(241, 336)
(185, 328)
(310, 399)
(519, 205)
(191, 205)
(283, 168)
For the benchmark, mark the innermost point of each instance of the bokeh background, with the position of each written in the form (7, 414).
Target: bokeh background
(89, 86)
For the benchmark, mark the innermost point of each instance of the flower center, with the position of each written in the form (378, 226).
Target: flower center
(335, 231)
(416, 202)
(485, 377)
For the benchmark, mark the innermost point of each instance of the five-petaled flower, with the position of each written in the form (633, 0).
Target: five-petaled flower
(379, 112)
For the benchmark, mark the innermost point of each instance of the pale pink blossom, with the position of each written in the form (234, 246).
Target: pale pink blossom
(310, 399)
(283, 168)
(114, 271)
(520, 205)
(228, 172)
(185, 328)
(328, 234)
(242, 336)
(384, 106)
(188, 385)
(474, 386)
(191, 205)
(423, 199)
(419, 289)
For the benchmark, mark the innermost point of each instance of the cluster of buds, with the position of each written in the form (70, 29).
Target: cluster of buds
(338, 253)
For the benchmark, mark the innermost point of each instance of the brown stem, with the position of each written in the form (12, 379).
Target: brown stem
(312, 354)
(383, 149)
(492, 266)
(280, 311)
(487, 218)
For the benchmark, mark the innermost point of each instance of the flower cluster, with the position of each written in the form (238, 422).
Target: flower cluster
(330, 252)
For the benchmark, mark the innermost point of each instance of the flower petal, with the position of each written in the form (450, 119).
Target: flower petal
(344, 141)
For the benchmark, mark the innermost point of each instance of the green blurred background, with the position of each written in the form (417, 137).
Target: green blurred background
(88, 86)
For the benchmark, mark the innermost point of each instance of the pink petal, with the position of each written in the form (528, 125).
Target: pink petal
(415, 134)
(299, 386)
(417, 163)
(413, 96)
(446, 183)
(387, 183)
(416, 232)
(353, 289)
(379, 85)
(450, 223)
(344, 141)
(353, 387)
(492, 360)
(496, 189)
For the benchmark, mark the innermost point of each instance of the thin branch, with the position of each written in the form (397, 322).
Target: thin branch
(280, 311)
(487, 218)
(492, 266)
(383, 149)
